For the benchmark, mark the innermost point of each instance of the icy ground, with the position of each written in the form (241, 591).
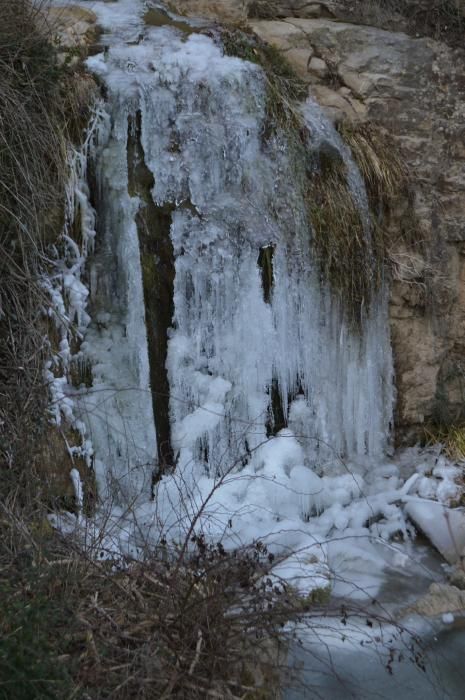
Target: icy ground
(334, 521)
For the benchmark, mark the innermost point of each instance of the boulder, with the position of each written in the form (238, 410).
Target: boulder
(441, 599)
(73, 25)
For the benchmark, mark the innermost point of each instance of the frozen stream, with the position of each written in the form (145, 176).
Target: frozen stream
(342, 674)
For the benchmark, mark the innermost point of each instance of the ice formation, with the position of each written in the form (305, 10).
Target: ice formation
(280, 414)
(202, 116)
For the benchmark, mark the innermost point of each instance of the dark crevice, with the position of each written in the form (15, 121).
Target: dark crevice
(158, 271)
(265, 263)
(276, 416)
(277, 419)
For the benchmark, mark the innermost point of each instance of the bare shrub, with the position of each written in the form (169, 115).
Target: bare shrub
(188, 622)
(192, 620)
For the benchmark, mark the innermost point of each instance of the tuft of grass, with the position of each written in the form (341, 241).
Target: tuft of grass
(451, 437)
(378, 158)
(389, 186)
(343, 250)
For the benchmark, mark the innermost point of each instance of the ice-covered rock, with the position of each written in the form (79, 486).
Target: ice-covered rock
(443, 526)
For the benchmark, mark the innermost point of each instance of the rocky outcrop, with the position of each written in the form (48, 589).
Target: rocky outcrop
(414, 88)
(441, 599)
(75, 29)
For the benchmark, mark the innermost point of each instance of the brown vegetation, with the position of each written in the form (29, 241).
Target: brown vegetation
(355, 255)
(42, 105)
(198, 622)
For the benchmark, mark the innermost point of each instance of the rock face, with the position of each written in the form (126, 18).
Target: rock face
(75, 29)
(440, 600)
(415, 89)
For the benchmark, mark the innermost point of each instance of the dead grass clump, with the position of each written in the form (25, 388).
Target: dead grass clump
(354, 255)
(451, 437)
(341, 243)
(382, 167)
(31, 171)
(389, 188)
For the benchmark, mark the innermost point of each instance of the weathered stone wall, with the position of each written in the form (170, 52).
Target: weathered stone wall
(415, 88)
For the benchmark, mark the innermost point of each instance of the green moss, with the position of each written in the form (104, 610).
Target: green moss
(320, 596)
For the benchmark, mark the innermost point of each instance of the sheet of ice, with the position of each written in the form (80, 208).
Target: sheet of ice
(67, 291)
(118, 407)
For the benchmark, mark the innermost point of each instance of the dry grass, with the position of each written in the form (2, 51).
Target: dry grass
(355, 260)
(341, 244)
(443, 20)
(379, 161)
(451, 437)
(41, 106)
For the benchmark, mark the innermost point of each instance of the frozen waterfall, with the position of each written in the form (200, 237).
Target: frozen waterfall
(256, 342)
(228, 388)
